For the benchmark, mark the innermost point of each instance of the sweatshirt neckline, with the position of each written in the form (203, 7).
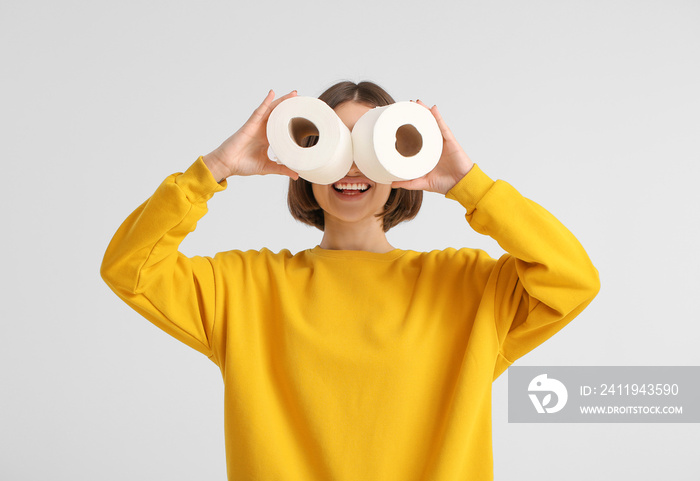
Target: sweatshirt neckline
(350, 254)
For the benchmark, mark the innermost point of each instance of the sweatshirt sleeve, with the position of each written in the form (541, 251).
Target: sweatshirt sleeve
(545, 279)
(143, 266)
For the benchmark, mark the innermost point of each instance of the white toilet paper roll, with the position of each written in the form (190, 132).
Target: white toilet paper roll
(297, 118)
(401, 141)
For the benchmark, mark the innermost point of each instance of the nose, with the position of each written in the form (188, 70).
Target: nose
(354, 170)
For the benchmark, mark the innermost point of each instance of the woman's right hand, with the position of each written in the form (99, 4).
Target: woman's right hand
(245, 152)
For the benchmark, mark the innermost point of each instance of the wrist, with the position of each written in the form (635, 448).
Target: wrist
(215, 166)
(458, 174)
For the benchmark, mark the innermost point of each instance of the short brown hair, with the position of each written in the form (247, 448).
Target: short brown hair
(402, 204)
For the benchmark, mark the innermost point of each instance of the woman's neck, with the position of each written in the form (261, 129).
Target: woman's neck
(339, 235)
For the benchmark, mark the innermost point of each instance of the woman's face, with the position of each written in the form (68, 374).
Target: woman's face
(354, 198)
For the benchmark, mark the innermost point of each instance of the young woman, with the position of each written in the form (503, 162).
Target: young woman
(354, 359)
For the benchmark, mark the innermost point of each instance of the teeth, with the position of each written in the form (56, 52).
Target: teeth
(360, 187)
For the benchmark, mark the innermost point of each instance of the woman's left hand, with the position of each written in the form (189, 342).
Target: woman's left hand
(452, 166)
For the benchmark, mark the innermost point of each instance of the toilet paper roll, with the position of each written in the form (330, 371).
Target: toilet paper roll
(297, 118)
(401, 141)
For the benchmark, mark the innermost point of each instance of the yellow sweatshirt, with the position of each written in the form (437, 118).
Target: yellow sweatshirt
(352, 365)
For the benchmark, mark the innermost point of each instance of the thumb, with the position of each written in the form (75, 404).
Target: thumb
(415, 184)
(282, 170)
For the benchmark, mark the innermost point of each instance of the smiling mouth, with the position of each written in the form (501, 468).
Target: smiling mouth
(351, 188)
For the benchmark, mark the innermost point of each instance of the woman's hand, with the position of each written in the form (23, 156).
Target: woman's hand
(245, 152)
(452, 166)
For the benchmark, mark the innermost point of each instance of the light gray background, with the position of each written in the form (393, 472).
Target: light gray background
(590, 108)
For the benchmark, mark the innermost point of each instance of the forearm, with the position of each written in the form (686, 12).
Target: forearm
(154, 231)
(550, 262)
